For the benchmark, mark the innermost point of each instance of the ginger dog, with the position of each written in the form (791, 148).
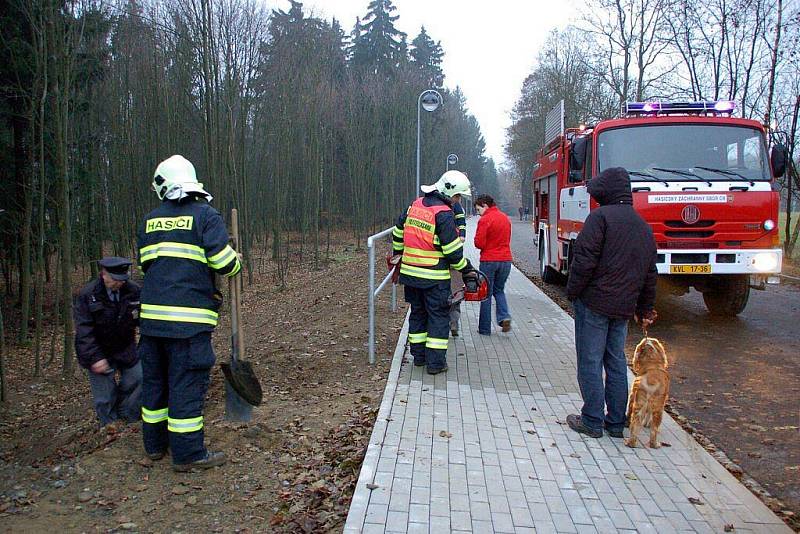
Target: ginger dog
(650, 390)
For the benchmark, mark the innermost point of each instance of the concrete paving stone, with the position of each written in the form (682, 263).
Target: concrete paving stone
(676, 519)
(557, 505)
(502, 522)
(460, 521)
(512, 483)
(499, 504)
(521, 516)
(419, 513)
(580, 514)
(701, 527)
(420, 495)
(482, 527)
(478, 493)
(544, 527)
(585, 529)
(563, 523)
(373, 528)
(663, 525)
(571, 497)
(620, 519)
(396, 521)
(533, 493)
(377, 513)
(439, 524)
(459, 502)
(480, 511)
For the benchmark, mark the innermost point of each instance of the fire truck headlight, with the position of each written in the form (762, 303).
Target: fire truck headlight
(769, 224)
(765, 262)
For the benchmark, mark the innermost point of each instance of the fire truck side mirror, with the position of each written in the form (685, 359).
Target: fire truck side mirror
(778, 158)
(577, 155)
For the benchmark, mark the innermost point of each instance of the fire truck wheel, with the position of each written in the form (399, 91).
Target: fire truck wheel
(728, 296)
(549, 276)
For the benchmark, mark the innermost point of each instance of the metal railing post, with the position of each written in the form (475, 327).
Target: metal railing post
(373, 291)
(371, 247)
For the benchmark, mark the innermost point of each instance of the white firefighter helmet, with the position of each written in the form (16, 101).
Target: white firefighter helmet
(176, 176)
(450, 184)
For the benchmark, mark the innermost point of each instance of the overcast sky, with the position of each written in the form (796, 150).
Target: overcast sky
(490, 46)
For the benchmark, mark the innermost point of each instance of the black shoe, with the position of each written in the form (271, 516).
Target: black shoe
(437, 371)
(615, 433)
(454, 332)
(212, 459)
(575, 423)
(156, 456)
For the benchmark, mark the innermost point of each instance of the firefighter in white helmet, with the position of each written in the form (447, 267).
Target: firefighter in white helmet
(427, 237)
(182, 243)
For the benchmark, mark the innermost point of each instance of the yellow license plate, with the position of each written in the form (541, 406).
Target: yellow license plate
(690, 269)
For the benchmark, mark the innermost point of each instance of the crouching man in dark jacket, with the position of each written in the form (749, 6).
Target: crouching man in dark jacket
(106, 315)
(611, 279)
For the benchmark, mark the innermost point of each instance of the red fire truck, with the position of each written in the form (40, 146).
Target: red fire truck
(700, 177)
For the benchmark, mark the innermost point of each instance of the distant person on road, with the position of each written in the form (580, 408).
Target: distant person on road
(521, 212)
(493, 239)
(527, 212)
(611, 279)
(106, 314)
(427, 237)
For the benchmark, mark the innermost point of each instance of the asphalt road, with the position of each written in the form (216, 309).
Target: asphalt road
(736, 380)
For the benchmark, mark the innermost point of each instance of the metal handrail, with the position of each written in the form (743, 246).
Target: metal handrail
(374, 292)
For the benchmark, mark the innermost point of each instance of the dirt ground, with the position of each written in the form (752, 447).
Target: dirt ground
(293, 469)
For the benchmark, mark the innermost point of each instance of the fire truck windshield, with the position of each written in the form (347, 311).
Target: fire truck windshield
(682, 152)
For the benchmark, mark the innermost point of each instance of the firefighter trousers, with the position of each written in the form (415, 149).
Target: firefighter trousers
(429, 324)
(174, 385)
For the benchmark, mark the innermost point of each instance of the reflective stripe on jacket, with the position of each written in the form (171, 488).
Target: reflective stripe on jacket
(181, 245)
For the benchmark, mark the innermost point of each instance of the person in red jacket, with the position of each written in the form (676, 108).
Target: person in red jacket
(493, 239)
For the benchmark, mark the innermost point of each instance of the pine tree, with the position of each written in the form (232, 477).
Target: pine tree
(427, 56)
(378, 47)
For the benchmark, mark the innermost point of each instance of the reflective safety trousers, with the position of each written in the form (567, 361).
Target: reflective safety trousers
(175, 378)
(181, 245)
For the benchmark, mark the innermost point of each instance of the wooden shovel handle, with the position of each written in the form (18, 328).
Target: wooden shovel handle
(236, 288)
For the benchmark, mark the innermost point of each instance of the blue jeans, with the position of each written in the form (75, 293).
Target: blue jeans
(600, 344)
(117, 400)
(497, 272)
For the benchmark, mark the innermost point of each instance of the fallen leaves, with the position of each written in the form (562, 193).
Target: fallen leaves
(696, 501)
(445, 434)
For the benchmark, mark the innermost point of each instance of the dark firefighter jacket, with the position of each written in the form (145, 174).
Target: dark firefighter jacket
(461, 219)
(613, 270)
(105, 329)
(181, 245)
(446, 242)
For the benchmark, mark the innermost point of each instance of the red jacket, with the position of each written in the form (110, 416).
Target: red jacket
(493, 236)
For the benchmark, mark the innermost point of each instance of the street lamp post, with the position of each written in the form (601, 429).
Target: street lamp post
(428, 100)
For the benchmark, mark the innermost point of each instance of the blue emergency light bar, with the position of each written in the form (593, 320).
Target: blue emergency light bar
(662, 108)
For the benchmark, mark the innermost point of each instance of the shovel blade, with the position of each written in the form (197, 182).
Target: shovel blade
(242, 378)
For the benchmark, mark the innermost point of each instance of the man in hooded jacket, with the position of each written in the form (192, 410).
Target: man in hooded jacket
(611, 279)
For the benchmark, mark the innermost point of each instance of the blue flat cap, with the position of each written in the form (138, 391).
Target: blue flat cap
(116, 266)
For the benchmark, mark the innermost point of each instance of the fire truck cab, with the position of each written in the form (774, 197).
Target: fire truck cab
(701, 178)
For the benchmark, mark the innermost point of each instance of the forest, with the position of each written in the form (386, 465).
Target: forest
(303, 125)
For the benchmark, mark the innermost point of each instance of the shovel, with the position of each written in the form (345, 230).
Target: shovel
(242, 390)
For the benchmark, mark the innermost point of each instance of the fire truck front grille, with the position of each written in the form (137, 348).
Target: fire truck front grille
(689, 258)
(681, 224)
(688, 234)
(684, 244)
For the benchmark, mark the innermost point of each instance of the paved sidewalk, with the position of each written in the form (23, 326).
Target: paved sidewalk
(485, 446)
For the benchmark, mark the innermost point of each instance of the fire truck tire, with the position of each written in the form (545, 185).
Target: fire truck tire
(728, 296)
(549, 276)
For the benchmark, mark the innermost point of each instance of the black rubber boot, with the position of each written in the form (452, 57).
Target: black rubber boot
(212, 459)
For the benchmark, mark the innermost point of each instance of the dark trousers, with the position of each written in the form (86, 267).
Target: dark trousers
(497, 272)
(600, 344)
(115, 399)
(429, 324)
(175, 382)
